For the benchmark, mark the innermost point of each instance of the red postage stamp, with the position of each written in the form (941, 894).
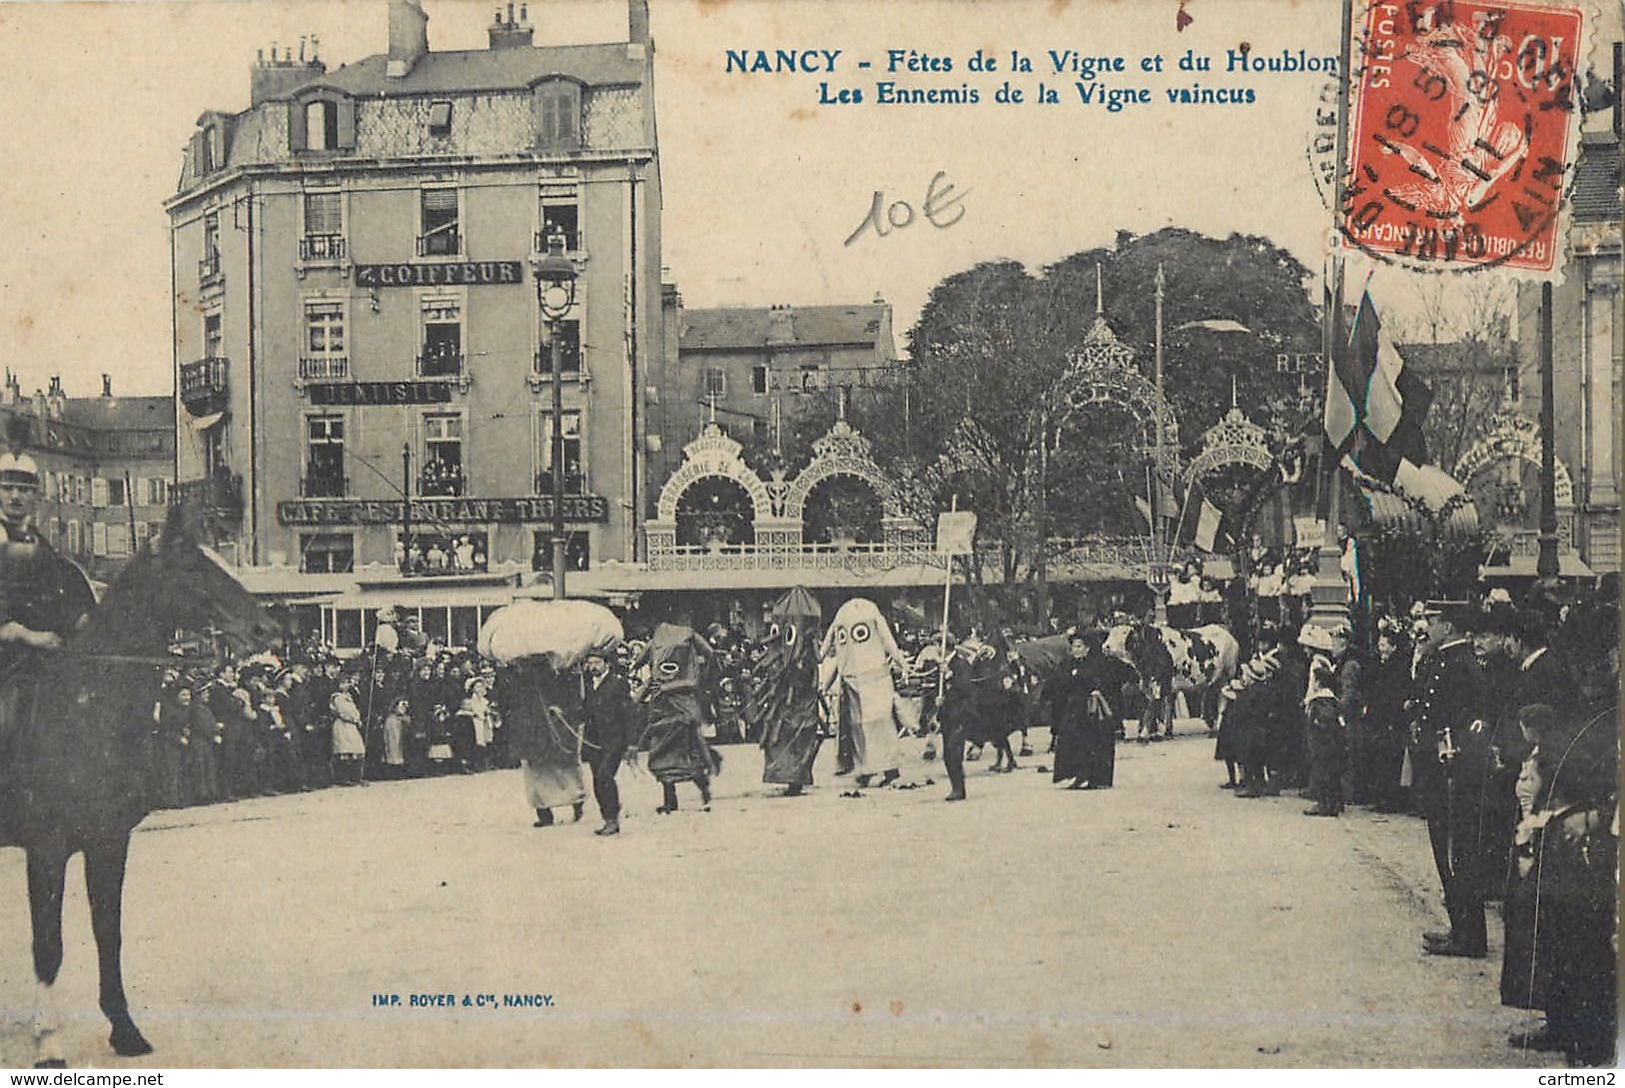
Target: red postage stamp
(1459, 133)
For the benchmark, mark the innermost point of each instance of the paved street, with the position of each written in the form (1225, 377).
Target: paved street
(1162, 923)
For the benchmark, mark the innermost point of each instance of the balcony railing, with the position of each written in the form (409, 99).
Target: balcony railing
(323, 485)
(574, 240)
(440, 363)
(209, 267)
(324, 368)
(221, 494)
(322, 247)
(444, 243)
(438, 480)
(569, 362)
(575, 483)
(203, 384)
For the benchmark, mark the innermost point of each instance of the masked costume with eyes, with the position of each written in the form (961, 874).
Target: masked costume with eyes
(785, 701)
(856, 657)
(674, 736)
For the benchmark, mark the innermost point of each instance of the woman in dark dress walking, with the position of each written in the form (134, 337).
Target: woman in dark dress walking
(1085, 721)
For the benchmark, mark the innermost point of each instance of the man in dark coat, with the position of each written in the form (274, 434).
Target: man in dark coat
(43, 596)
(606, 736)
(1449, 759)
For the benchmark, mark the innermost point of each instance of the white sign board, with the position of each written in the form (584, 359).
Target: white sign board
(955, 533)
(1311, 532)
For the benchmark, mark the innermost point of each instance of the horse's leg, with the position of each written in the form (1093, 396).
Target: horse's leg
(104, 880)
(47, 872)
(1008, 755)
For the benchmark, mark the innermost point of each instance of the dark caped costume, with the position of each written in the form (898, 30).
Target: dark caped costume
(543, 707)
(784, 703)
(674, 736)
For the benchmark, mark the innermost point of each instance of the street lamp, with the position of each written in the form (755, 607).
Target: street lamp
(555, 295)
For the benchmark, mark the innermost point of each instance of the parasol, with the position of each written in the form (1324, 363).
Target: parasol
(561, 631)
(798, 602)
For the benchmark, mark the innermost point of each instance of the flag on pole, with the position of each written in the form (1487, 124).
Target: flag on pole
(1393, 404)
(1345, 389)
(1208, 522)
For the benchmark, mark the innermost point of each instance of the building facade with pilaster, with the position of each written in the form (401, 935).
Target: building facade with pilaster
(362, 370)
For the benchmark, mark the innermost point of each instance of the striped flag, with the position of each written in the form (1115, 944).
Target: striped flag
(1346, 381)
(1391, 405)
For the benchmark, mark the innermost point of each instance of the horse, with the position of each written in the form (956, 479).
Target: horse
(72, 776)
(1196, 663)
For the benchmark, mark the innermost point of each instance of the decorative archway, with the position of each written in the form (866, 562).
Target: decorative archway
(714, 512)
(1233, 441)
(1513, 436)
(842, 451)
(1102, 372)
(713, 453)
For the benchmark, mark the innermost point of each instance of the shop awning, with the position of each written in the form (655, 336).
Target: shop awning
(1429, 485)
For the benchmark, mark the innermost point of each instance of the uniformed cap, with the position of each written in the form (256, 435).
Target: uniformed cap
(1450, 610)
(18, 469)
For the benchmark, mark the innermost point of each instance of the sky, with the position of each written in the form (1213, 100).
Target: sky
(763, 184)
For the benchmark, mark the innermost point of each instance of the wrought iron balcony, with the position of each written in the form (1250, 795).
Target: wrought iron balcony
(220, 494)
(439, 480)
(324, 368)
(440, 363)
(203, 384)
(444, 243)
(322, 247)
(208, 268)
(324, 485)
(574, 240)
(575, 483)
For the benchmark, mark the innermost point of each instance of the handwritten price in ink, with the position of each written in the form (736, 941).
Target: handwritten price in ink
(944, 206)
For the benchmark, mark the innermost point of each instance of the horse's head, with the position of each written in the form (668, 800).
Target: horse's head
(175, 583)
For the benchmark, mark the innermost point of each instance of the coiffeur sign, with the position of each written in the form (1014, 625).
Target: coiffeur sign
(577, 508)
(448, 274)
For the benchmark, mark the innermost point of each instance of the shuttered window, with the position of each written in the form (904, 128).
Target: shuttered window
(98, 492)
(324, 213)
(98, 538)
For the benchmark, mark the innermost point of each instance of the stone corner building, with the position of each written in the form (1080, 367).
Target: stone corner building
(356, 315)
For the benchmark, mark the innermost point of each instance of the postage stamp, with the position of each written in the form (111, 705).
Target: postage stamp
(1459, 133)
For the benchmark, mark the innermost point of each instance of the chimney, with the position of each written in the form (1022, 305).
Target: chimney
(408, 36)
(14, 389)
(637, 22)
(56, 400)
(107, 385)
(781, 325)
(510, 33)
(280, 74)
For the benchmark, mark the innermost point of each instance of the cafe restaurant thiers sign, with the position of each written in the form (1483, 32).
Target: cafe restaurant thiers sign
(534, 508)
(441, 274)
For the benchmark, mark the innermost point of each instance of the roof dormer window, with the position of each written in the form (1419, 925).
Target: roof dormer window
(321, 120)
(557, 104)
(440, 119)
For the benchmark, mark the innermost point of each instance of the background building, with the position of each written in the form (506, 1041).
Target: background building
(356, 318)
(759, 372)
(1588, 338)
(105, 466)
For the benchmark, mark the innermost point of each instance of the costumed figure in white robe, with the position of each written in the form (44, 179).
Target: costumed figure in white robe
(857, 657)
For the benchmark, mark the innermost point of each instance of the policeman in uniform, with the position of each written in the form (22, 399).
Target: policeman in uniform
(1450, 750)
(43, 597)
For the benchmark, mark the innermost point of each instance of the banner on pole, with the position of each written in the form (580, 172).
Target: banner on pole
(956, 533)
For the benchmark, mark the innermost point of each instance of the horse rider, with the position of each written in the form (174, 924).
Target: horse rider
(43, 597)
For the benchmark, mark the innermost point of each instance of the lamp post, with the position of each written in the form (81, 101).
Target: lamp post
(555, 295)
(406, 507)
(1159, 545)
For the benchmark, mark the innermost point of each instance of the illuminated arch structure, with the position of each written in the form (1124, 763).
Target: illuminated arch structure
(779, 506)
(1513, 436)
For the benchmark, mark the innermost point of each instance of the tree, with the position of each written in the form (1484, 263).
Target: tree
(994, 339)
